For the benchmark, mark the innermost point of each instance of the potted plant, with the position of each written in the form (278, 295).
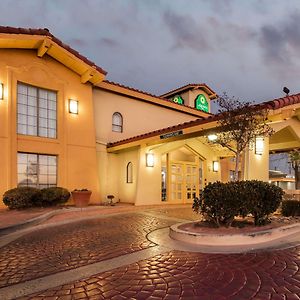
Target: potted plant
(81, 197)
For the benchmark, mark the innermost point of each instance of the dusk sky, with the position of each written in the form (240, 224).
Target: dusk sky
(248, 48)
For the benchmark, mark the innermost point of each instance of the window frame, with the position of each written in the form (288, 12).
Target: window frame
(115, 125)
(129, 172)
(38, 184)
(38, 116)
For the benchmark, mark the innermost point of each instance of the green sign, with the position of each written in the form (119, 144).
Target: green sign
(178, 99)
(201, 103)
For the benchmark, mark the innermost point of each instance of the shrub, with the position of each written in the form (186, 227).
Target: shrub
(221, 202)
(54, 196)
(265, 199)
(290, 208)
(21, 197)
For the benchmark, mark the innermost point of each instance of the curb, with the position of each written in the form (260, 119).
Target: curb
(39, 219)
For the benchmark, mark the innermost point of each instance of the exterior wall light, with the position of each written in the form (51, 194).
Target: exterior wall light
(259, 145)
(1, 91)
(149, 160)
(212, 137)
(73, 106)
(215, 166)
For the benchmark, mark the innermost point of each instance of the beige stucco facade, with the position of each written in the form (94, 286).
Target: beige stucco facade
(90, 154)
(75, 133)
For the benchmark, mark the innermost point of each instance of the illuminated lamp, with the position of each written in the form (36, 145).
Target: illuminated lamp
(73, 106)
(212, 137)
(149, 160)
(1, 91)
(259, 145)
(215, 166)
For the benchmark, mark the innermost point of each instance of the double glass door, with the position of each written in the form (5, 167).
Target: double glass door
(184, 182)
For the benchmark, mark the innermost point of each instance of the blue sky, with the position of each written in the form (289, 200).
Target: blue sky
(247, 48)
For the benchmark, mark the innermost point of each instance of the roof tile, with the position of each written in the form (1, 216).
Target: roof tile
(45, 32)
(273, 104)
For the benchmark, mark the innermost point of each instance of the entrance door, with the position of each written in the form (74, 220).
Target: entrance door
(184, 182)
(177, 183)
(192, 179)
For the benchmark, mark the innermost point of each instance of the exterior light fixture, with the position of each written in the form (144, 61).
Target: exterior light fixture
(212, 137)
(259, 145)
(73, 106)
(215, 166)
(149, 160)
(1, 91)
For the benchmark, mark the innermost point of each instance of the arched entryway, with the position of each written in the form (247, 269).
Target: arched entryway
(183, 175)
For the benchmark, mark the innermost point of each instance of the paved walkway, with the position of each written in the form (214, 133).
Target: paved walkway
(107, 254)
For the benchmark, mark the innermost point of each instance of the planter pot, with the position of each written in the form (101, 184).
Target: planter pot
(81, 198)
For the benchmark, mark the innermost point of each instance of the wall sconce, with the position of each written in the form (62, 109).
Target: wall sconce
(1, 91)
(212, 137)
(215, 166)
(259, 145)
(149, 160)
(73, 106)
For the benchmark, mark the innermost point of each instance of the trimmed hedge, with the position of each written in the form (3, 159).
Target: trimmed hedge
(221, 202)
(25, 197)
(54, 196)
(21, 197)
(290, 208)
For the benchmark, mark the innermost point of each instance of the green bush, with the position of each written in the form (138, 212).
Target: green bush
(221, 202)
(54, 196)
(21, 197)
(265, 199)
(290, 208)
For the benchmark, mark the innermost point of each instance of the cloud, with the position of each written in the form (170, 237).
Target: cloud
(108, 42)
(281, 43)
(186, 32)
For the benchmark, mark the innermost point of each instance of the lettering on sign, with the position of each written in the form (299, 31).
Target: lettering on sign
(201, 103)
(171, 134)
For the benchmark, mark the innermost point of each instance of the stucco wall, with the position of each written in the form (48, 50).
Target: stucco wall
(138, 117)
(75, 143)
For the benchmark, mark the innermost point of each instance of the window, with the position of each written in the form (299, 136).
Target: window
(37, 170)
(129, 173)
(36, 111)
(117, 122)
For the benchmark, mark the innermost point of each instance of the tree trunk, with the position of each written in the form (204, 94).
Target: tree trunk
(237, 161)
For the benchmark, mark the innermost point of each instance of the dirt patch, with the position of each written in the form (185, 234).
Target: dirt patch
(239, 226)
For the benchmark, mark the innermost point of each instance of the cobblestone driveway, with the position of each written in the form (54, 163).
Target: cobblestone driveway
(66, 247)
(182, 275)
(169, 275)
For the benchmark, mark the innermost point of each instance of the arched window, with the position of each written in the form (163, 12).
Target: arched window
(129, 174)
(117, 122)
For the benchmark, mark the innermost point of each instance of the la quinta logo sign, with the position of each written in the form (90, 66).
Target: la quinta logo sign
(201, 103)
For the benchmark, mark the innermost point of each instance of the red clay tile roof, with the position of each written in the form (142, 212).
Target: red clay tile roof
(152, 95)
(45, 32)
(270, 105)
(280, 102)
(187, 87)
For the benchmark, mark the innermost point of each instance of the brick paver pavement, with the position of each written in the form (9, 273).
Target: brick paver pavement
(170, 275)
(184, 275)
(66, 247)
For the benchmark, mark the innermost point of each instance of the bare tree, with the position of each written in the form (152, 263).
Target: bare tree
(240, 124)
(294, 157)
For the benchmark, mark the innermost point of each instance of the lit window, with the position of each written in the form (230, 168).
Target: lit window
(129, 173)
(37, 170)
(36, 111)
(117, 122)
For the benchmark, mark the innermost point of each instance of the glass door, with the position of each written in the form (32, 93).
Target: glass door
(192, 186)
(176, 182)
